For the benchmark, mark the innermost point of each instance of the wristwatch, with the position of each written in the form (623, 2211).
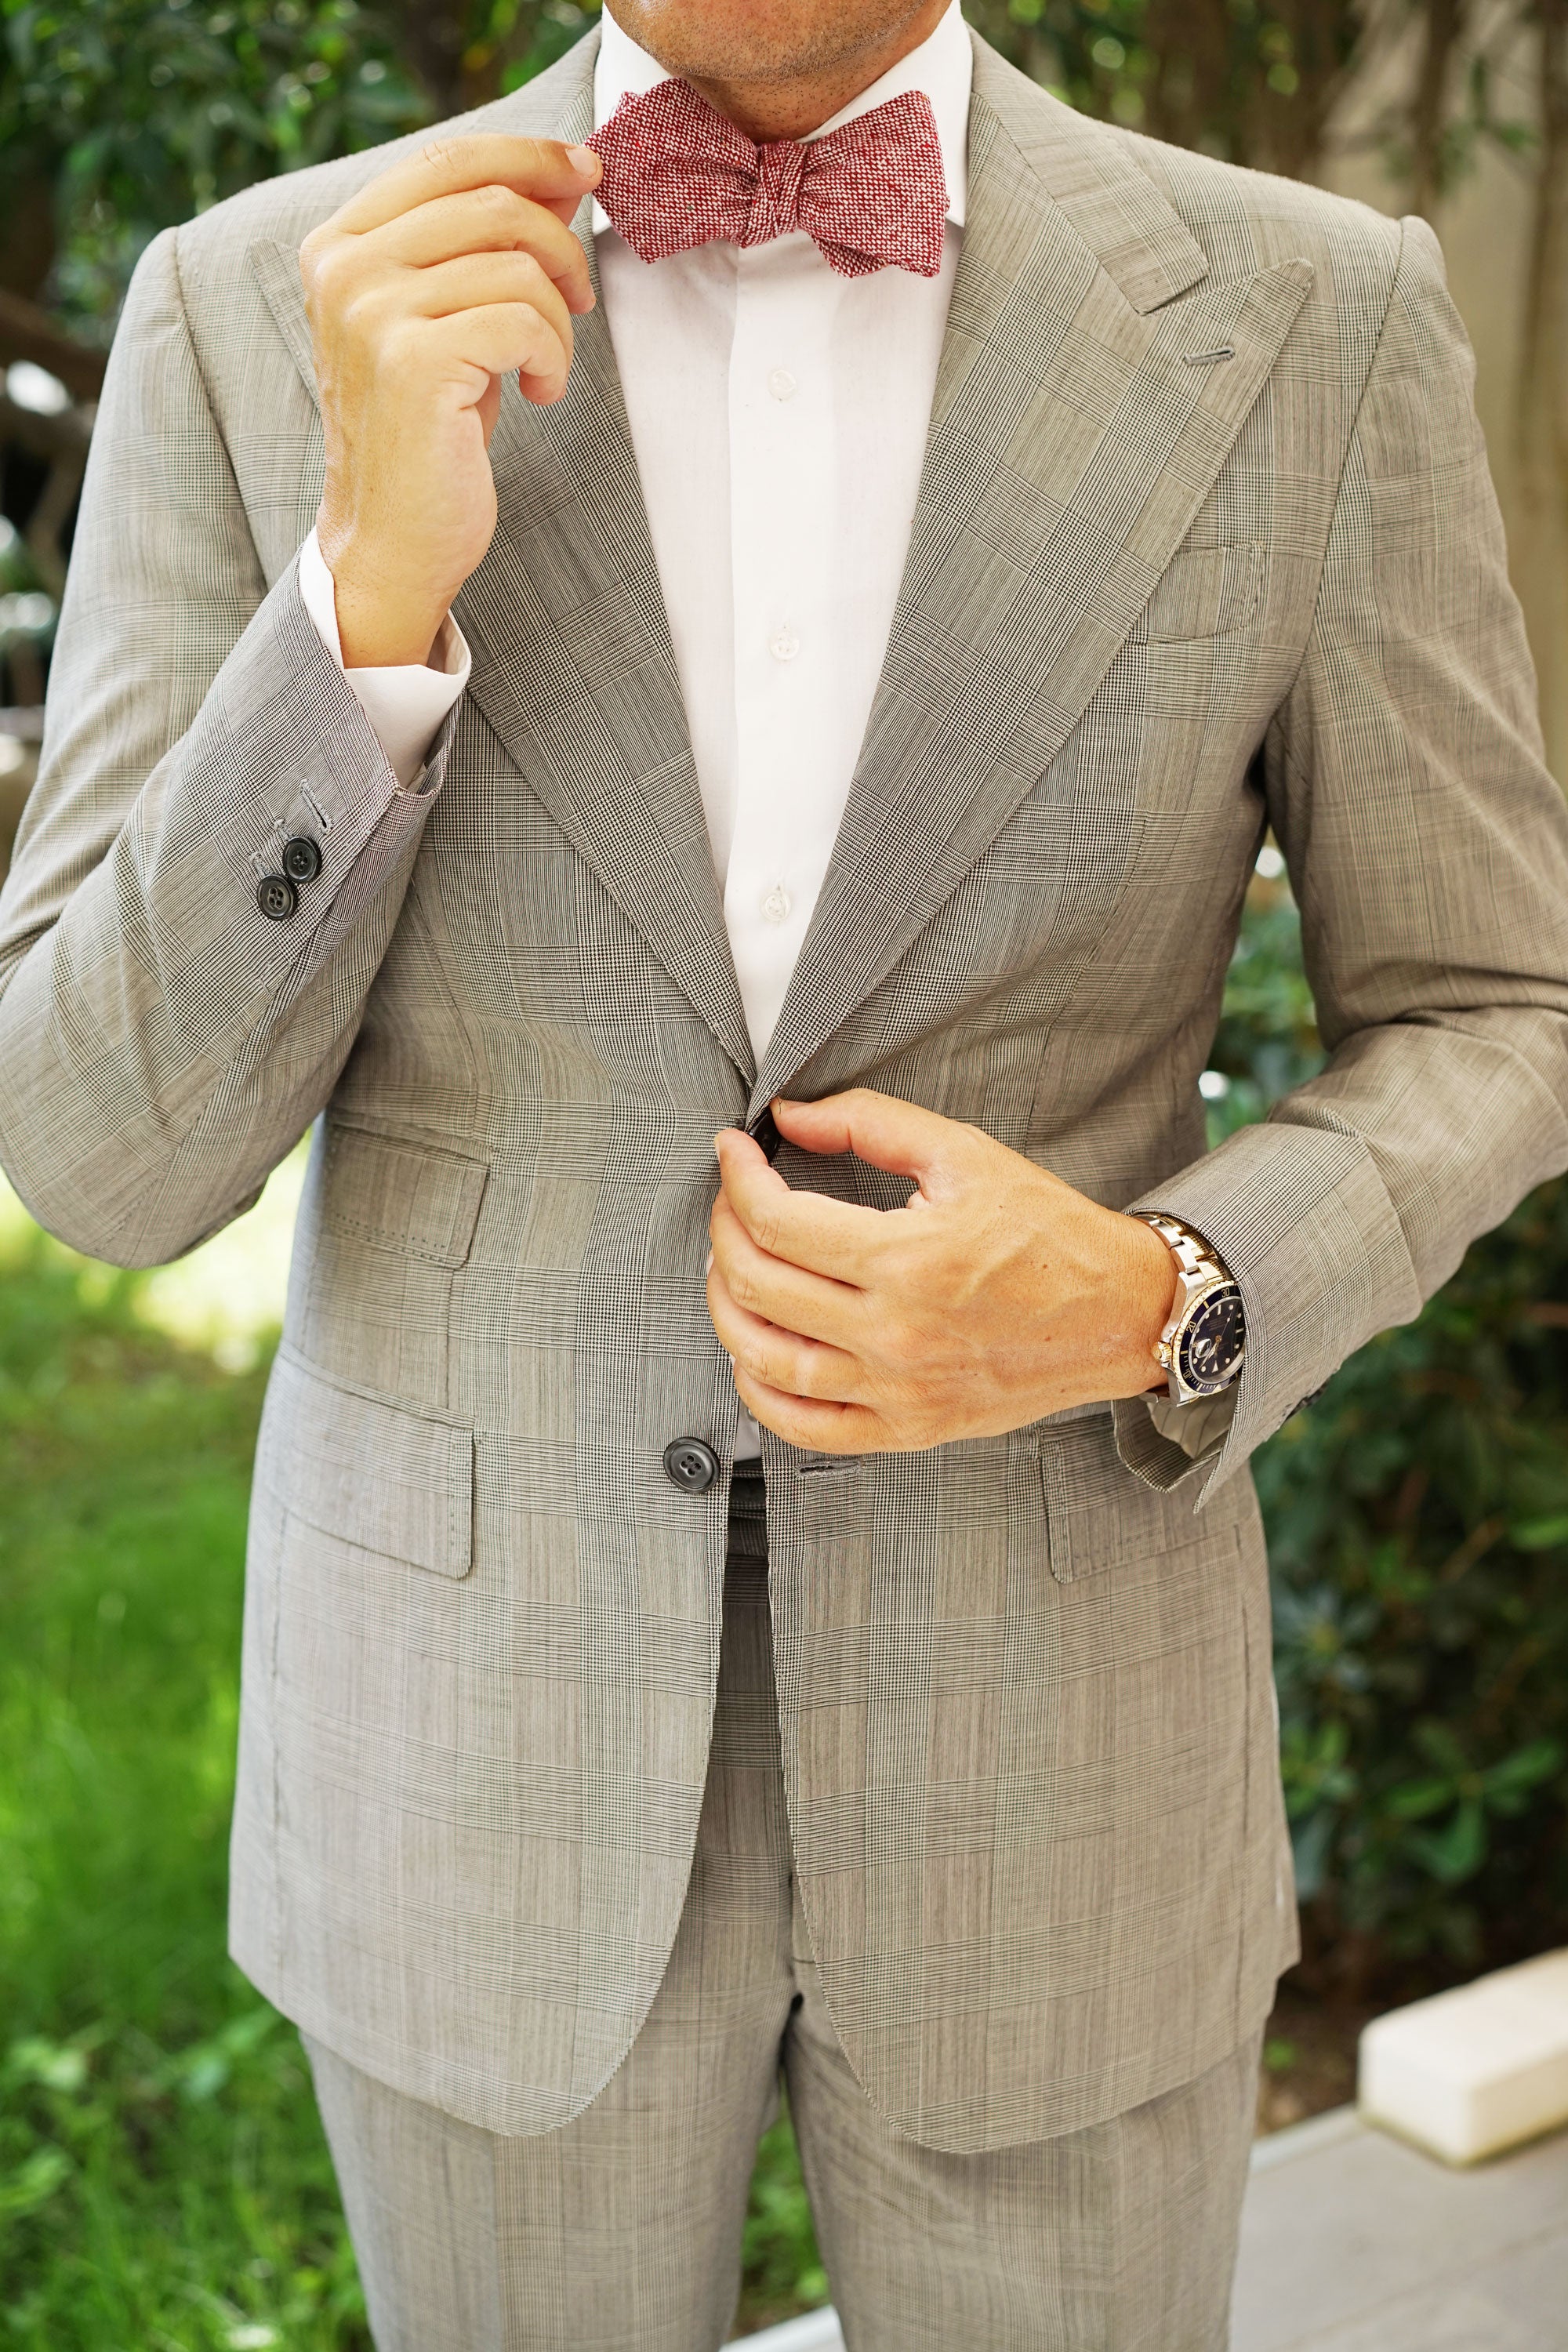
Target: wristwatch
(1204, 1345)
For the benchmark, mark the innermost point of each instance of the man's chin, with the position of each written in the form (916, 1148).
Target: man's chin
(736, 41)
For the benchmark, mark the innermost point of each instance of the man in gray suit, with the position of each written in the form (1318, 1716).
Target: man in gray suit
(798, 637)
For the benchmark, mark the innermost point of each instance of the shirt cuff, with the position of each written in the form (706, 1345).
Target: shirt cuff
(405, 705)
(1201, 1428)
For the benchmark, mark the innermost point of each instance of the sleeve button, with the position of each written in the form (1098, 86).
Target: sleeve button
(301, 858)
(277, 898)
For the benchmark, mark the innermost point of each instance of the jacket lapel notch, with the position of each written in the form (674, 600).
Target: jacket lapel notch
(1138, 240)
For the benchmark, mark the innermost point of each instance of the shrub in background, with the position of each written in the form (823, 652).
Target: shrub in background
(118, 116)
(1417, 1521)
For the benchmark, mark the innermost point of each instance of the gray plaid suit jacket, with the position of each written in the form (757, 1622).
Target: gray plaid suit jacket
(1205, 541)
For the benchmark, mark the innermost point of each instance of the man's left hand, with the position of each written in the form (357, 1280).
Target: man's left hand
(996, 1296)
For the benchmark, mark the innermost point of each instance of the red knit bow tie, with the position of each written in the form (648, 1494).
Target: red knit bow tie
(678, 174)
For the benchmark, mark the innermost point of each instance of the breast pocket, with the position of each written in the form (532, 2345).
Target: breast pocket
(1205, 592)
(371, 1473)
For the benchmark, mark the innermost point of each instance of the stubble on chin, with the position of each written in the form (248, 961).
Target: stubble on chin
(734, 42)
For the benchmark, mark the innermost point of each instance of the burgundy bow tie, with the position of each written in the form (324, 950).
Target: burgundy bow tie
(678, 174)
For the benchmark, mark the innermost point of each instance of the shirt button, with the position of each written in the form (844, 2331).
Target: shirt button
(775, 906)
(784, 644)
(782, 384)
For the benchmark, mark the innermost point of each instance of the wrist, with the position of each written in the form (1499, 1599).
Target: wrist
(1152, 1288)
(384, 621)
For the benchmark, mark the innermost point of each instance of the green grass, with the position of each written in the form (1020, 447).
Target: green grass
(163, 2180)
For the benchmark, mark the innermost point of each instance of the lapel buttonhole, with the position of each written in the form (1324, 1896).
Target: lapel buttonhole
(1211, 359)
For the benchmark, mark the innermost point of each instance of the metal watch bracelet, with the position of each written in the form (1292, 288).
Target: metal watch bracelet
(1204, 1283)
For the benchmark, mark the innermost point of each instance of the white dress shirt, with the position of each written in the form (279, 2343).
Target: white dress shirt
(778, 412)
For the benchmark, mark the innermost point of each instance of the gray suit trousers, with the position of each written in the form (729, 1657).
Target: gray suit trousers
(621, 2230)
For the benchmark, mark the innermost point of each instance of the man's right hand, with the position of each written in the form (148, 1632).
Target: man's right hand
(437, 279)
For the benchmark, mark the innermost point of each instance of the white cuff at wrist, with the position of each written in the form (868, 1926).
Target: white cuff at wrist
(406, 703)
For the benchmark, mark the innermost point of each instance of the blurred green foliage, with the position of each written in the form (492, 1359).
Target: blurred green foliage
(120, 117)
(781, 2270)
(165, 2186)
(138, 112)
(27, 616)
(1417, 1521)
(163, 2178)
(1250, 80)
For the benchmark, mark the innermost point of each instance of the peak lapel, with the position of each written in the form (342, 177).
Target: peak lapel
(573, 663)
(1071, 444)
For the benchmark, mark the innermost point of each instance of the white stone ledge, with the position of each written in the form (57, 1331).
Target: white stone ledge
(1470, 2072)
(817, 2331)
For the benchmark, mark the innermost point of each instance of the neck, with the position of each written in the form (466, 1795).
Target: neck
(784, 105)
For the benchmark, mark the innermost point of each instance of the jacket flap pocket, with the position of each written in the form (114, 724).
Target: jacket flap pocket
(1099, 1516)
(375, 1474)
(1206, 592)
(406, 1196)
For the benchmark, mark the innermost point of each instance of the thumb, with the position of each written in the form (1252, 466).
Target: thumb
(563, 201)
(900, 1137)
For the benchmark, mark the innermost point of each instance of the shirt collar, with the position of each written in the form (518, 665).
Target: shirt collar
(943, 67)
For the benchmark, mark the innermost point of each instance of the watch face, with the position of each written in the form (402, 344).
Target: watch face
(1210, 1350)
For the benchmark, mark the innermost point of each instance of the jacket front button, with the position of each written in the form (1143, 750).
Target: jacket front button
(301, 858)
(277, 898)
(690, 1464)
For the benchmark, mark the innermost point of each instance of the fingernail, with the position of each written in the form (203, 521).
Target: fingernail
(709, 1267)
(584, 160)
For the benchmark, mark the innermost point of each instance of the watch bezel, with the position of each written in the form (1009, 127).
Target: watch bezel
(1193, 1312)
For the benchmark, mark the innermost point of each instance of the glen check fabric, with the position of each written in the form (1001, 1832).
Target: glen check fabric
(1153, 601)
(622, 2231)
(871, 194)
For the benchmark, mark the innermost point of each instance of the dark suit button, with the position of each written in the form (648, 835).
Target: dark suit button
(763, 1130)
(301, 858)
(277, 898)
(691, 1465)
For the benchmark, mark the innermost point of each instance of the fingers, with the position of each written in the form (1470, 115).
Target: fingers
(898, 1136)
(827, 1237)
(496, 337)
(544, 169)
(776, 1358)
(812, 1304)
(481, 279)
(491, 219)
(816, 1427)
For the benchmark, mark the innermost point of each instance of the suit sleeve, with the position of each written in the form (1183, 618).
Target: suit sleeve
(164, 1041)
(1427, 847)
